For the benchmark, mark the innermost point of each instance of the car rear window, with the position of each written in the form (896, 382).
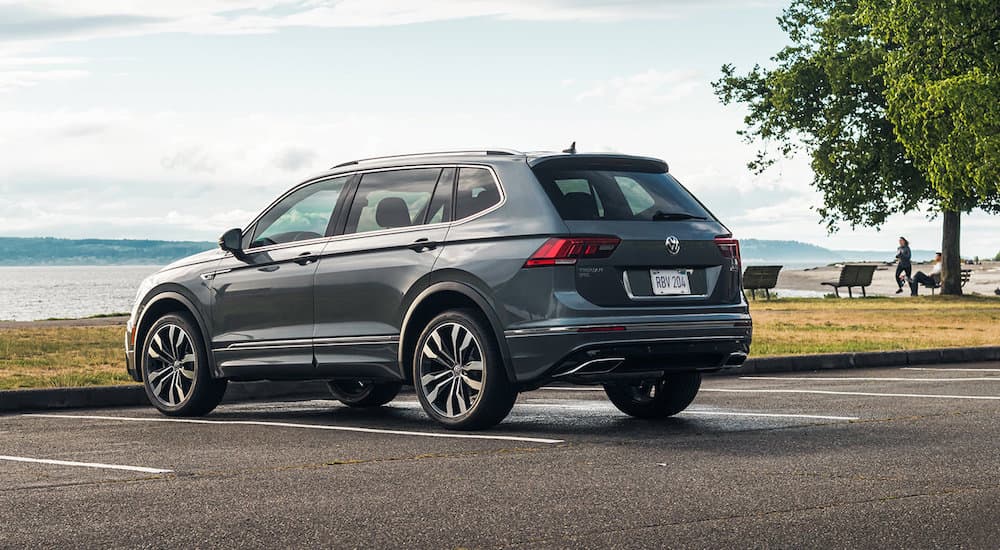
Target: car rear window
(592, 194)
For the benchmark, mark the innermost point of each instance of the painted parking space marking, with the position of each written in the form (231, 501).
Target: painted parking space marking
(85, 464)
(858, 393)
(873, 379)
(302, 426)
(769, 415)
(703, 412)
(954, 370)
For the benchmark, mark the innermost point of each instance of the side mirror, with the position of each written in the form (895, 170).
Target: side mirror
(232, 241)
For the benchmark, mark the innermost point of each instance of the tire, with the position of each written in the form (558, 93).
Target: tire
(446, 383)
(355, 393)
(175, 369)
(657, 399)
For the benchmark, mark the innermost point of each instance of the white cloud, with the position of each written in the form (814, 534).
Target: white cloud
(646, 90)
(46, 20)
(27, 71)
(10, 80)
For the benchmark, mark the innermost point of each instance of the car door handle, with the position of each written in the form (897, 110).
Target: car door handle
(422, 245)
(305, 258)
(269, 268)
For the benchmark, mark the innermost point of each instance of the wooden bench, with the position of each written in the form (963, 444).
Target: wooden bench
(761, 277)
(966, 275)
(852, 275)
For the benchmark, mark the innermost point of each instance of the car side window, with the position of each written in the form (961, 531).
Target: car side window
(476, 191)
(440, 209)
(303, 215)
(391, 199)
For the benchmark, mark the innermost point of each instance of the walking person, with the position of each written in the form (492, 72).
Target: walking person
(904, 266)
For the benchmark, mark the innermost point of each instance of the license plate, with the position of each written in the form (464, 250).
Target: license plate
(668, 282)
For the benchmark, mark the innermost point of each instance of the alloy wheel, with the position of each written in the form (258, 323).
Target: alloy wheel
(172, 365)
(452, 370)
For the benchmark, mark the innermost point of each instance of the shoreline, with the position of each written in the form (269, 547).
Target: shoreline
(984, 281)
(793, 282)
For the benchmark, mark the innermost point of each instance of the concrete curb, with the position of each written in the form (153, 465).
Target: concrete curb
(134, 395)
(865, 360)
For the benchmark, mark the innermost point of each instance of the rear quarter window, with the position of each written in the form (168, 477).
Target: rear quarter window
(475, 191)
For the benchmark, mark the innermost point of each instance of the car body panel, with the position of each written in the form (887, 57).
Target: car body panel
(359, 289)
(346, 314)
(263, 308)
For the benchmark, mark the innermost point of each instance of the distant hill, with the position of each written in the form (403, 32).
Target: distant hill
(755, 251)
(51, 251)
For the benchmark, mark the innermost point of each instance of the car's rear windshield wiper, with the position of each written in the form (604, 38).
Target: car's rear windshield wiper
(675, 216)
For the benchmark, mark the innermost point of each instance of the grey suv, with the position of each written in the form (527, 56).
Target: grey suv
(471, 275)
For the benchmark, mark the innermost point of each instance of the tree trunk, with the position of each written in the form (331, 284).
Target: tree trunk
(951, 259)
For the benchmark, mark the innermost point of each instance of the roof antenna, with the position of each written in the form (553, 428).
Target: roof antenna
(571, 150)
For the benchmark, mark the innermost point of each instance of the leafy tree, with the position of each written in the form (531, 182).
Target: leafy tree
(827, 96)
(942, 73)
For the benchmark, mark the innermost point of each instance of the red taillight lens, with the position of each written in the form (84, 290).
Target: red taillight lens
(566, 251)
(730, 248)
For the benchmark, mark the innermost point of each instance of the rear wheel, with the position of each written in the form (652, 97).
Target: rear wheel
(356, 393)
(459, 374)
(175, 368)
(655, 399)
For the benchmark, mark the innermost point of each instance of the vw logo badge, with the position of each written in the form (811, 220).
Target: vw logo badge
(673, 245)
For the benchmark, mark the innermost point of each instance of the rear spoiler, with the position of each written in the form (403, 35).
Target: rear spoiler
(600, 162)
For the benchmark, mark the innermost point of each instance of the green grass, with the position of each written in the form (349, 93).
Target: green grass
(819, 325)
(32, 357)
(62, 357)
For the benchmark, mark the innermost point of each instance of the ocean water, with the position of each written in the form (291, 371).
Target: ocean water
(41, 292)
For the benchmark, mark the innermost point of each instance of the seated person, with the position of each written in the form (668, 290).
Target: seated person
(932, 280)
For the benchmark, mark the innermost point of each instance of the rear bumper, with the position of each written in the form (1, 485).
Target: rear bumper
(595, 354)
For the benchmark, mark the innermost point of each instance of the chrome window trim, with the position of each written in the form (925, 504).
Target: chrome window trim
(280, 198)
(331, 238)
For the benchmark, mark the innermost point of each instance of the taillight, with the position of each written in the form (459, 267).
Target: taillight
(730, 248)
(566, 251)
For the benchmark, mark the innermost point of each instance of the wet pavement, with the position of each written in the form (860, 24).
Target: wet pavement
(861, 458)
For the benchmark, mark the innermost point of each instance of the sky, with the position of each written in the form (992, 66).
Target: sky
(178, 120)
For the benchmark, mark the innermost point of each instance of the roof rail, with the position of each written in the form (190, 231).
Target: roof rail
(485, 152)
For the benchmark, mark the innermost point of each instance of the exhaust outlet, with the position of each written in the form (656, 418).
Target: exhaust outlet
(595, 366)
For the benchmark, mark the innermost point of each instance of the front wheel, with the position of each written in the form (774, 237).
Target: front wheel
(175, 369)
(356, 393)
(655, 399)
(459, 374)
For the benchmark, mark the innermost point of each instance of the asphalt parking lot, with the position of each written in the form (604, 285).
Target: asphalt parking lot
(861, 458)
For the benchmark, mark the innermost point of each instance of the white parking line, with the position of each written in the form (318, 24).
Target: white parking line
(868, 394)
(85, 464)
(872, 379)
(770, 415)
(304, 426)
(608, 406)
(958, 370)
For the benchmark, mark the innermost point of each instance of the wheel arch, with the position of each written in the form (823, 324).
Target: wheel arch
(164, 301)
(440, 297)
